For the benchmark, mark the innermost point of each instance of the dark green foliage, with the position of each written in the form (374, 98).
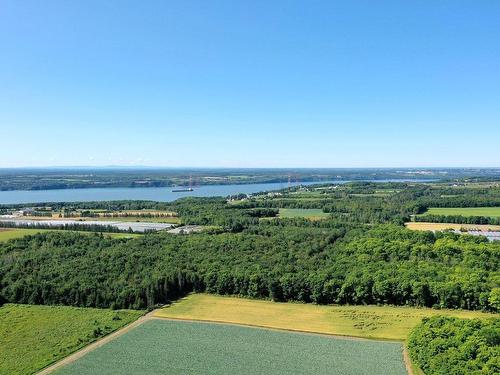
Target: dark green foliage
(69, 226)
(445, 345)
(459, 219)
(317, 262)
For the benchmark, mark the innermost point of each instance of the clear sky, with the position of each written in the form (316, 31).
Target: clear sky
(250, 83)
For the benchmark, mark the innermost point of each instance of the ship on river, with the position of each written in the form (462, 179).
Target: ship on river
(180, 190)
(184, 189)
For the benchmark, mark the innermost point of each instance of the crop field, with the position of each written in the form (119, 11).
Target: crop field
(444, 226)
(33, 337)
(467, 211)
(12, 233)
(9, 234)
(176, 347)
(308, 213)
(376, 322)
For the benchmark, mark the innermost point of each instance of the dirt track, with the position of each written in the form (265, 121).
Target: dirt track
(80, 353)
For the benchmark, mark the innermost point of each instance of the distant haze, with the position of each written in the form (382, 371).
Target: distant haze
(250, 83)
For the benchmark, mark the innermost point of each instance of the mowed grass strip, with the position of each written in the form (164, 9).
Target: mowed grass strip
(195, 348)
(33, 337)
(374, 322)
(308, 213)
(444, 226)
(464, 211)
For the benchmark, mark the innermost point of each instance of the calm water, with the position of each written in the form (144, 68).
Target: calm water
(163, 194)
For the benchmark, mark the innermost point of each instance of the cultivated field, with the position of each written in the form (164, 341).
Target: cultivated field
(12, 233)
(444, 226)
(9, 234)
(175, 347)
(33, 337)
(467, 211)
(309, 213)
(377, 322)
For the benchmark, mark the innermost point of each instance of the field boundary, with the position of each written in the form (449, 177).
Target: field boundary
(290, 330)
(96, 344)
(405, 354)
(151, 316)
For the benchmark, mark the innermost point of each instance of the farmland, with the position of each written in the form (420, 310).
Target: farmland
(375, 322)
(445, 226)
(356, 272)
(175, 347)
(41, 335)
(311, 213)
(465, 211)
(9, 234)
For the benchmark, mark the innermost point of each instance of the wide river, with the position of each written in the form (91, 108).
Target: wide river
(163, 194)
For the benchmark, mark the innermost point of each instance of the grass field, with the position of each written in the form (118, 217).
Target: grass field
(308, 213)
(32, 337)
(380, 322)
(9, 234)
(175, 347)
(467, 211)
(444, 226)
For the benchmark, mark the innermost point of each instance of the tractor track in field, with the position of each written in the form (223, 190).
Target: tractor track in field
(96, 344)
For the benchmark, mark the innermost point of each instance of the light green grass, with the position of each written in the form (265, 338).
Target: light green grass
(194, 348)
(33, 337)
(375, 322)
(467, 211)
(9, 234)
(308, 213)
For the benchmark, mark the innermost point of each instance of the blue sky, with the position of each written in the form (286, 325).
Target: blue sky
(250, 83)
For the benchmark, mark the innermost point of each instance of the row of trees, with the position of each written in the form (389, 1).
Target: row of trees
(69, 226)
(458, 219)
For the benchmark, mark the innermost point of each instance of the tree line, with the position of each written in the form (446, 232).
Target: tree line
(458, 219)
(383, 264)
(446, 345)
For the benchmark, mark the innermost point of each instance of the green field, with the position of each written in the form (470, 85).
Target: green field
(33, 337)
(467, 211)
(308, 213)
(175, 347)
(379, 322)
(9, 234)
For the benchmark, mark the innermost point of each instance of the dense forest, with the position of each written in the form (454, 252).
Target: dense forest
(445, 345)
(379, 265)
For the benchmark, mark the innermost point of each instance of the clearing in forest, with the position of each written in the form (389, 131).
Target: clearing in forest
(444, 226)
(308, 213)
(464, 211)
(13, 233)
(375, 322)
